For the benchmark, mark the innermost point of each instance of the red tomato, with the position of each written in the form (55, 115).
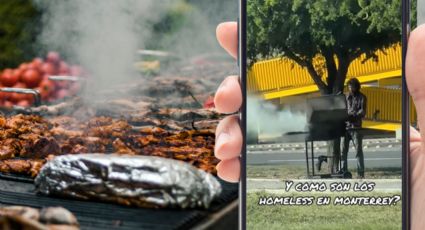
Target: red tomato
(17, 73)
(8, 104)
(75, 71)
(4, 96)
(53, 57)
(48, 68)
(37, 62)
(8, 79)
(46, 89)
(23, 66)
(61, 93)
(33, 66)
(24, 103)
(31, 78)
(17, 97)
(43, 93)
(63, 68)
(20, 85)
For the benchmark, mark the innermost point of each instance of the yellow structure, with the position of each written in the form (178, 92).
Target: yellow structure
(381, 80)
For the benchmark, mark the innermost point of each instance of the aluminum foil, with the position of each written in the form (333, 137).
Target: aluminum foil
(143, 181)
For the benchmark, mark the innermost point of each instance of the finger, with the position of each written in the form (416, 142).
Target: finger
(228, 98)
(228, 142)
(229, 170)
(415, 69)
(227, 36)
(415, 136)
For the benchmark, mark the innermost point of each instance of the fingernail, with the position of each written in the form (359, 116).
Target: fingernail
(222, 138)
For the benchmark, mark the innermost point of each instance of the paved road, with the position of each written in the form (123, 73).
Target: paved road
(383, 157)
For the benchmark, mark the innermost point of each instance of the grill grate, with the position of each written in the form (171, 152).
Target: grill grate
(94, 215)
(16, 177)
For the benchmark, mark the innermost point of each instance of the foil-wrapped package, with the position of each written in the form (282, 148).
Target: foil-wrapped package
(143, 181)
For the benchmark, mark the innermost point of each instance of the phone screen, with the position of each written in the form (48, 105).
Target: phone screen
(323, 114)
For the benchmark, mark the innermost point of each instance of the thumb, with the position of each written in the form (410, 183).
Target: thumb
(415, 72)
(227, 36)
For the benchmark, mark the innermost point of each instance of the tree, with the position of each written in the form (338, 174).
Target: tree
(338, 31)
(18, 31)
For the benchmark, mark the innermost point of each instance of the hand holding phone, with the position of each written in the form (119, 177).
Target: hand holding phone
(415, 66)
(228, 99)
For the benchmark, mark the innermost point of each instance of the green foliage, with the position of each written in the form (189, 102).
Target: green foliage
(18, 29)
(414, 13)
(341, 29)
(173, 21)
(187, 27)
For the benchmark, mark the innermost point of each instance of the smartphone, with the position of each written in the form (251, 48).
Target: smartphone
(326, 114)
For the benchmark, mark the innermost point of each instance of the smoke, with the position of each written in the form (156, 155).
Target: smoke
(101, 35)
(196, 35)
(265, 117)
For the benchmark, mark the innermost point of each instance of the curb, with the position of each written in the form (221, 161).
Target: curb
(375, 144)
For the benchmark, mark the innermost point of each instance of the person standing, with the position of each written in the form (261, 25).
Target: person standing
(356, 106)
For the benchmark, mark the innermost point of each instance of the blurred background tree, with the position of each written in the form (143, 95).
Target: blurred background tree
(19, 22)
(339, 30)
(188, 26)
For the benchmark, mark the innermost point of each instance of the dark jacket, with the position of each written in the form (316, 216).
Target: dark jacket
(356, 106)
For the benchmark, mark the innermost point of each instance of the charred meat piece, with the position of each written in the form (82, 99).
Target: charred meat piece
(34, 139)
(96, 144)
(186, 114)
(106, 127)
(50, 218)
(153, 131)
(57, 215)
(25, 212)
(77, 149)
(40, 148)
(21, 166)
(68, 123)
(9, 148)
(121, 148)
(147, 140)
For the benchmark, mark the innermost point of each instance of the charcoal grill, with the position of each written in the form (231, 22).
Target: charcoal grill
(95, 216)
(326, 117)
(19, 190)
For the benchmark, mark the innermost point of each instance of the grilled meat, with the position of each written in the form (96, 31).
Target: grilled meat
(107, 127)
(26, 137)
(27, 141)
(122, 148)
(50, 218)
(21, 166)
(40, 148)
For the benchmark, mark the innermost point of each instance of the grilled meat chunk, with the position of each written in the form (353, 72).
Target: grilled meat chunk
(34, 140)
(21, 166)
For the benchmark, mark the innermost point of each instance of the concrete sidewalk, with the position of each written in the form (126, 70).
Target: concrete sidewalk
(321, 145)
